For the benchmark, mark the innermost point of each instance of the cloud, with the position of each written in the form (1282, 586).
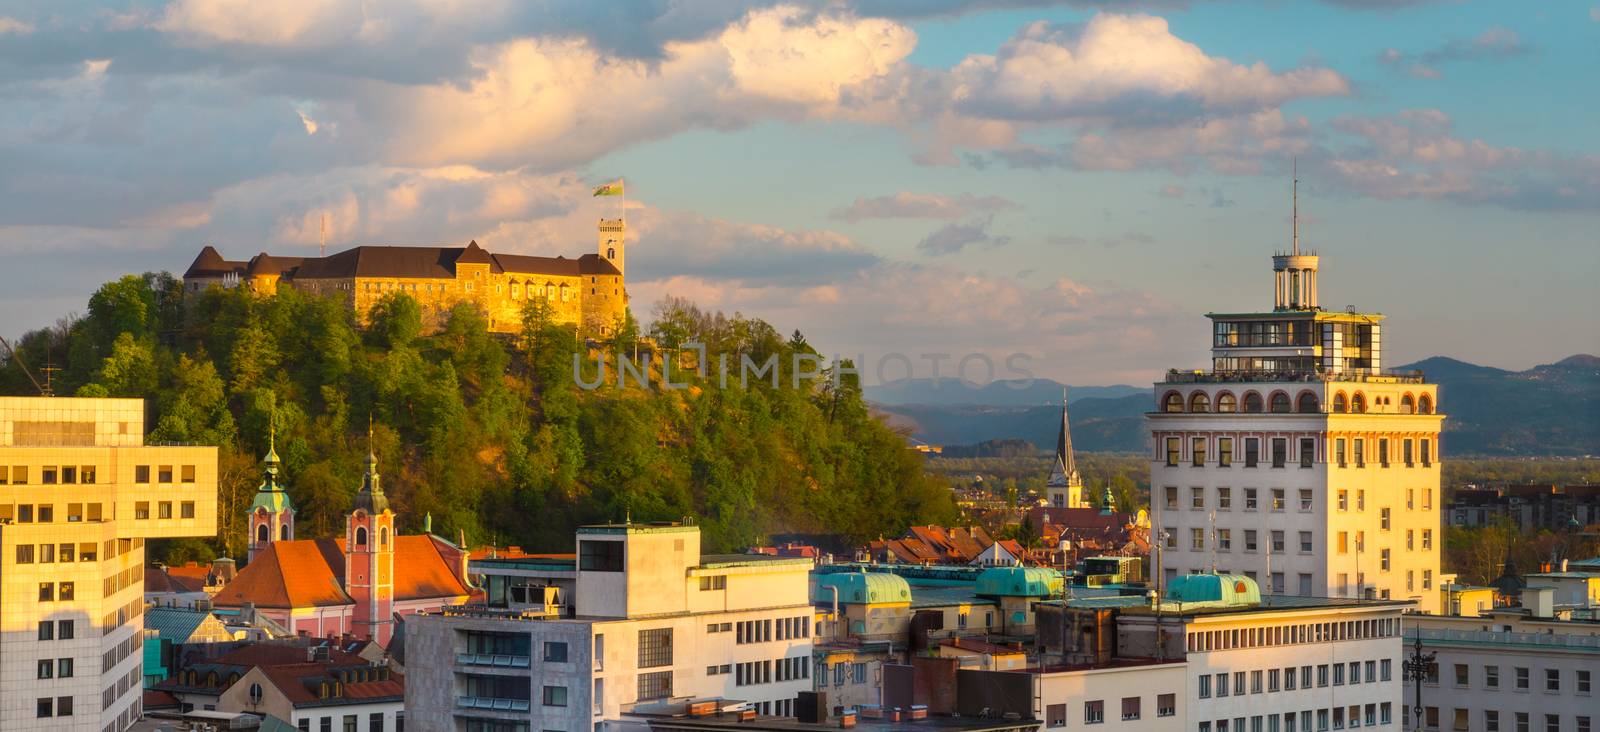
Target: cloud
(1172, 191)
(12, 26)
(1127, 66)
(1594, 14)
(955, 236)
(1497, 42)
(907, 205)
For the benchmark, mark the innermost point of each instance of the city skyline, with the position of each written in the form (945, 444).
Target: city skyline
(1076, 181)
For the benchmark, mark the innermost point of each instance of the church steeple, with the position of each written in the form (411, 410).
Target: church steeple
(371, 497)
(1065, 486)
(369, 555)
(272, 511)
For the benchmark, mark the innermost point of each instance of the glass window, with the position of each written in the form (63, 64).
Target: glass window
(556, 696)
(655, 647)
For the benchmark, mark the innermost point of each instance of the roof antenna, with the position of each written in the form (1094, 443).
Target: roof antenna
(323, 246)
(1294, 167)
(43, 390)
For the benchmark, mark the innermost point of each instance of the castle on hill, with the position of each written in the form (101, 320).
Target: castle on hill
(587, 292)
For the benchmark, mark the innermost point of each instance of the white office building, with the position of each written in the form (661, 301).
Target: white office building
(79, 494)
(650, 619)
(1295, 459)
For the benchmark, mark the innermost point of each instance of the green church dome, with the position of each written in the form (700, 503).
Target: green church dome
(1020, 582)
(863, 588)
(1220, 590)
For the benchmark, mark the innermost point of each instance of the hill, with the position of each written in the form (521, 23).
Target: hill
(492, 436)
(1548, 410)
(997, 393)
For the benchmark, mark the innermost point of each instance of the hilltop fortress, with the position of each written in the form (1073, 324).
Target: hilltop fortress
(587, 292)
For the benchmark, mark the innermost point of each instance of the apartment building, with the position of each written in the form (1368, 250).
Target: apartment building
(649, 618)
(1296, 460)
(80, 493)
(1528, 668)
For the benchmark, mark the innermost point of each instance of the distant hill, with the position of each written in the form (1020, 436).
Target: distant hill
(998, 393)
(1548, 410)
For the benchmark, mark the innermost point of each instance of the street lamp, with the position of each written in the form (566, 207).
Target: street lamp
(1416, 669)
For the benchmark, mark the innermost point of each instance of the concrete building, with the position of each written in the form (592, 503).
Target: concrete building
(1526, 668)
(587, 292)
(80, 493)
(648, 619)
(1296, 460)
(1244, 662)
(1529, 508)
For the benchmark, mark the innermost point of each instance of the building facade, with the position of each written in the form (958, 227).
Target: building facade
(80, 493)
(587, 292)
(1296, 460)
(649, 618)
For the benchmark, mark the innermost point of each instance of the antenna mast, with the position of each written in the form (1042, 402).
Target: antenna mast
(43, 390)
(323, 246)
(1294, 195)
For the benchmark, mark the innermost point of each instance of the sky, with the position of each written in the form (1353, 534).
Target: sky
(1077, 181)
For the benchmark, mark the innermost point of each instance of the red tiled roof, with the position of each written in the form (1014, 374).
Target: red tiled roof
(166, 580)
(300, 683)
(310, 573)
(157, 699)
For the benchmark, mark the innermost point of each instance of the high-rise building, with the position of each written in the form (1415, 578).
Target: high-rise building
(80, 493)
(1296, 459)
(649, 619)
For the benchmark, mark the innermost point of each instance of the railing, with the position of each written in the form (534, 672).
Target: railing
(1175, 376)
(1506, 637)
(494, 704)
(493, 659)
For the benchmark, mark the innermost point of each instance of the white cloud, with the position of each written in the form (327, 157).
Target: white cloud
(12, 26)
(956, 236)
(908, 205)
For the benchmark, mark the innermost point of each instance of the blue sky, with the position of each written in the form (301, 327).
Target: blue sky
(1076, 181)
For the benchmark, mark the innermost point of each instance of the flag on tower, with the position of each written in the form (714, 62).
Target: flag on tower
(613, 188)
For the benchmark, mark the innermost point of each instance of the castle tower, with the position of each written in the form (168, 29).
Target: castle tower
(272, 512)
(613, 232)
(1296, 460)
(1065, 487)
(369, 556)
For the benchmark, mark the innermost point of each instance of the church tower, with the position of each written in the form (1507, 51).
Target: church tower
(369, 556)
(271, 513)
(612, 235)
(1065, 487)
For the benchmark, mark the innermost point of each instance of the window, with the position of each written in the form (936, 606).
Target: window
(164, 474)
(1278, 501)
(1224, 539)
(1305, 584)
(1288, 679)
(1204, 689)
(64, 668)
(1172, 538)
(1343, 499)
(555, 652)
(1173, 402)
(655, 648)
(375, 722)
(1383, 519)
(1308, 449)
(1522, 677)
(1405, 453)
(1197, 498)
(1463, 677)
(64, 629)
(1222, 685)
(1224, 452)
(1491, 677)
(350, 722)
(714, 582)
(141, 510)
(1172, 451)
(1322, 675)
(1583, 681)
(1249, 499)
(25, 554)
(1224, 499)
(1552, 722)
(47, 592)
(1252, 451)
(600, 556)
(556, 696)
(164, 510)
(1427, 539)
(1427, 579)
(47, 630)
(1055, 715)
(1255, 682)
(1552, 679)
(1172, 497)
(1249, 540)
(1427, 453)
(1491, 720)
(186, 510)
(1305, 499)
(1094, 712)
(1130, 708)
(654, 685)
(1197, 451)
(1383, 560)
(1280, 452)
(1522, 722)
(1383, 452)
(1360, 450)
(1197, 539)
(45, 707)
(1338, 451)
(47, 669)
(1305, 542)
(1166, 705)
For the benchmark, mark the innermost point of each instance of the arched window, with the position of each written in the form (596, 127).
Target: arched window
(516, 291)
(1358, 403)
(1252, 402)
(1408, 405)
(1340, 403)
(1425, 404)
(1280, 403)
(1307, 402)
(361, 536)
(611, 253)
(1227, 403)
(283, 532)
(1173, 403)
(263, 534)
(1199, 402)
(383, 536)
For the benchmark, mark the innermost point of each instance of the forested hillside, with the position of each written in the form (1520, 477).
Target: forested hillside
(489, 434)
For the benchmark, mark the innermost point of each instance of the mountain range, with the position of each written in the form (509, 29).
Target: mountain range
(1548, 410)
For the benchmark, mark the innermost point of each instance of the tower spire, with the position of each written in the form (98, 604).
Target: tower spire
(371, 495)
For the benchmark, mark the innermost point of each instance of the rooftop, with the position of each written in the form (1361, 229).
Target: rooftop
(1175, 376)
(1269, 603)
(791, 724)
(722, 561)
(630, 527)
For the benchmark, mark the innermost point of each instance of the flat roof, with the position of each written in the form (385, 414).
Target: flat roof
(721, 561)
(791, 724)
(1269, 603)
(651, 527)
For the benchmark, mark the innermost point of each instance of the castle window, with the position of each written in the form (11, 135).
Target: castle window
(1408, 405)
(611, 253)
(361, 536)
(283, 532)
(1358, 403)
(1339, 403)
(383, 536)
(262, 534)
(1425, 405)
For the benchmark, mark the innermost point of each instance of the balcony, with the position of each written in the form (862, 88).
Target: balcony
(1175, 376)
(492, 704)
(1451, 636)
(498, 660)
